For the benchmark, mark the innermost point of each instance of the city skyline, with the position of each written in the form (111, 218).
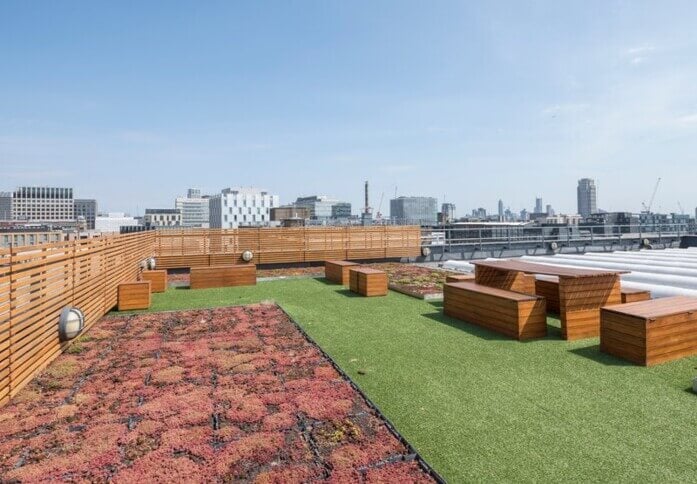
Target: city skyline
(528, 98)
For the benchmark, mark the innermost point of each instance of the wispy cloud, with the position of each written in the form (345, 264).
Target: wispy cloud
(688, 119)
(639, 54)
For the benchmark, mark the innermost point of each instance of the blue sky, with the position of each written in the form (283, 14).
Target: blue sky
(133, 102)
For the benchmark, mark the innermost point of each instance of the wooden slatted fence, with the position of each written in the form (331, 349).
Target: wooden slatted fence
(202, 247)
(37, 281)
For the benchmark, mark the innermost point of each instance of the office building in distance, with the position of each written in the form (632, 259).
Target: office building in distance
(587, 197)
(241, 207)
(323, 208)
(162, 217)
(113, 221)
(414, 210)
(46, 205)
(194, 208)
(86, 209)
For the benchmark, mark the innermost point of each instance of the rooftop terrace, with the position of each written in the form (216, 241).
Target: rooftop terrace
(143, 393)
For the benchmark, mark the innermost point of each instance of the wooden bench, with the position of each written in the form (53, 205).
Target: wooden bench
(223, 276)
(338, 271)
(368, 282)
(133, 295)
(650, 332)
(634, 295)
(158, 280)
(520, 316)
(459, 277)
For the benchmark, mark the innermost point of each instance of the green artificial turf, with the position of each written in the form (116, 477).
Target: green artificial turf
(480, 407)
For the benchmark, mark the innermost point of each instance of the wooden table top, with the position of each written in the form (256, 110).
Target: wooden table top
(536, 268)
(656, 308)
(367, 270)
(341, 263)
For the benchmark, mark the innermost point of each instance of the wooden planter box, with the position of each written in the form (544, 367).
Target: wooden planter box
(223, 276)
(158, 280)
(338, 271)
(134, 295)
(650, 332)
(635, 295)
(368, 282)
(459, 278)
(519, 316)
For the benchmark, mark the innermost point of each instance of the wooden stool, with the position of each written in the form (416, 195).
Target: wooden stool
(338, 271)
(368, 282)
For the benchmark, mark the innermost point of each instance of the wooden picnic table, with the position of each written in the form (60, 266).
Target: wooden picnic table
(582, 292)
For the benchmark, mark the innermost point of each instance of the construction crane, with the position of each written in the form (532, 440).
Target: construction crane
(647, 208)
(378, 216)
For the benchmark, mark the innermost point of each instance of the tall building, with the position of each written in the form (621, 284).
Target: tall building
(538, 205)
(162, 217)
(241, 207)
(448, 210)
(113, 221)
(194, 209)
(587, 197)
(50, 205)
(324, 208)
(549, 210)
(87, 209)
(479, 213)
(414, 210)
(501, 211)
(5, 205)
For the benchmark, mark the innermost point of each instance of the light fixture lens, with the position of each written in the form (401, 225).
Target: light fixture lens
(71, 323)
(247, 255)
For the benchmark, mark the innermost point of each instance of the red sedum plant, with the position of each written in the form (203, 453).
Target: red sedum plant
(228, 394)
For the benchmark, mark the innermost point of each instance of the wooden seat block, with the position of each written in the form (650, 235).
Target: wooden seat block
(650, 332)
(519, 316)
(223, 276)
(338, 271)
(368, 282)
(158, 280)
(134, 295)
(459, 277)
(634, 295)
(549, 289)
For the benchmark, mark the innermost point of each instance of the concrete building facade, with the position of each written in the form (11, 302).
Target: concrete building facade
(241, 207)
(194, 208)
(162, 217)
(49, 205)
